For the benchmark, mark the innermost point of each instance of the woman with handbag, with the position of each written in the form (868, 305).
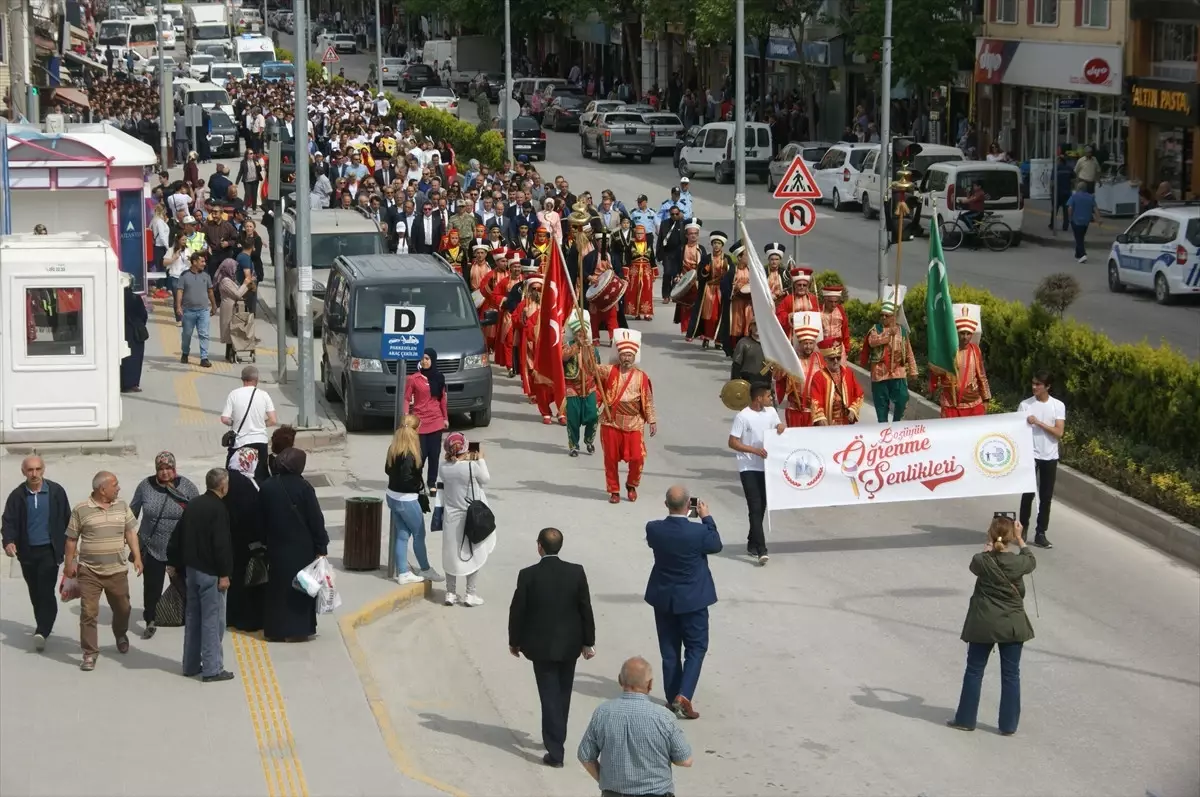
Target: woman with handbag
(465, 548)
(408, 501)
(231, 292)
(247, 584)
(159, 501)
(996, 616)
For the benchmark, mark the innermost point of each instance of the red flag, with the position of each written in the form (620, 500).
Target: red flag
(558, 302)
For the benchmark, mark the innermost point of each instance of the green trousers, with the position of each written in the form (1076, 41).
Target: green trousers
(581, 412)
(890, 393)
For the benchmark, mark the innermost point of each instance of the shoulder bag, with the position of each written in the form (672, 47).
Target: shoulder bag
(229, 439)
(256, 566)
(480, 522)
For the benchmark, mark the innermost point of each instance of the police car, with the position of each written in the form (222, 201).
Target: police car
(1159, 253)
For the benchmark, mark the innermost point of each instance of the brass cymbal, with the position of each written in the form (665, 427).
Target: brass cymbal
(735, 394)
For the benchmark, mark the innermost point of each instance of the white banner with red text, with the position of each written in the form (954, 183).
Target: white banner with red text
(911, 461)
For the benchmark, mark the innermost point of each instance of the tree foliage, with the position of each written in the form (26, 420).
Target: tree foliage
(714, 20)
(929, 38)
(487, 16)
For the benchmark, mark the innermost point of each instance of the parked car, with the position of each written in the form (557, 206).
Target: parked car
(810, 152)
(528, 138)
(688, 139)
(416, 77)
(442, 99)
(198, 65)
(344, 43)
(525, 87)
(220, 74)
(617, 133)
(711, 152)
(944, 184)
(492, 83)
(668, 130)
(222, 135)
(392, 69)
(563, 112)
(837, 171)
(1159, 252)
(597, 107)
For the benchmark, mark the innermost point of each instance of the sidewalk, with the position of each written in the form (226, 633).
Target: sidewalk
(1036, 229)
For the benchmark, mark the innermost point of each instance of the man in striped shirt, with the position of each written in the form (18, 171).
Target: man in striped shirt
(631, 743)
(97, 534)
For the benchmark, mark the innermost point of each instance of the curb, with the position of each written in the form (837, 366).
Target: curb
(119, 448)
(373, 612)
(1094, 498)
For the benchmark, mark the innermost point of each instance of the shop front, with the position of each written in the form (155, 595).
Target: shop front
(1165, 121)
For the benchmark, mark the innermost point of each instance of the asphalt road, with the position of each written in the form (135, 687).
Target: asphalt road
(848, 244)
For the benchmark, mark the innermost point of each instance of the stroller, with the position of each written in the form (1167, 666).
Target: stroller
(241, 333)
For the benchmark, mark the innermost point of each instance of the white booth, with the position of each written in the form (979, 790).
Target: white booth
(62, 338)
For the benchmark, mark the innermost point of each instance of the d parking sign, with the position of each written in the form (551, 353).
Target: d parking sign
(403, 332)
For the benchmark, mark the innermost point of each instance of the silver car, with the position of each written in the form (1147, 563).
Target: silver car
(668, 129)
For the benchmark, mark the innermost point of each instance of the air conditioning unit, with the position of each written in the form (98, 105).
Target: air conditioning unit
(55, 123)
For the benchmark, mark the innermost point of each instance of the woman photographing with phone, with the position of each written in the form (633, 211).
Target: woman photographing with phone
(996, 616)
(464, 474)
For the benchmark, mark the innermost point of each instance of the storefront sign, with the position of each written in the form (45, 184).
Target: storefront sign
(131, 236)
(784, 49)
(1167, 102)
(1090, 68)
(913, 461)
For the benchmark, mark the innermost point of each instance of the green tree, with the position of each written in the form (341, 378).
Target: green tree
(930, 38)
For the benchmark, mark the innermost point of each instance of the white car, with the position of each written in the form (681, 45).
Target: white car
(392, 67)
(199, 65)
(219, 74)
(439, 97)
(249, 20)
(668, 130)
(168, 37)
(837, 172)
(1159, 252)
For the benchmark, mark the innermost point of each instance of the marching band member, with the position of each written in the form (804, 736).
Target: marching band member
(525, 322)
(969, 392)
(455, 253)
(775, 252)
(740, 311)
(502, 298)
(642, 270)
(622, 240)
(495, 236)
(888, 353)
(595, 263)
(541, 248)
(708, 320)
(692, 257)
(523, 240)
(795, 394)
(582, 411)
(836, 399)
(800, 301)
(834, 323)
(479, 280)
(628, 400)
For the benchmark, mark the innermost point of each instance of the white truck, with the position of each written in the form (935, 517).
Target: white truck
(252, 50)
(468, 56)
(207, 24)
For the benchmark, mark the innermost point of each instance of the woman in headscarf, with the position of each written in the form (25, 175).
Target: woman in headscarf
(425, 397)
(244, 603)
(295, 535)
(231, 293)
(159, 501)
(282, 439)
(464, 474)
(319, 196)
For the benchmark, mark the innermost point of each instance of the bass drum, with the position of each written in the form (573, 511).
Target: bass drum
(684, 291)
(607, 291)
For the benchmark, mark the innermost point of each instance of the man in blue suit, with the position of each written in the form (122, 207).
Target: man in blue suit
(681, 589)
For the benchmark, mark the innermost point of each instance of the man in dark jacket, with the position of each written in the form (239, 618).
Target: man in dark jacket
(551, 622)
(202, 546)
(34, 529)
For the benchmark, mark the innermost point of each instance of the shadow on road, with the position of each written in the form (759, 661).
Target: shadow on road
(912, 706)
(507, 740)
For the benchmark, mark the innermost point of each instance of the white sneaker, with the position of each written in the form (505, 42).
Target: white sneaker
(431, 575)
(1081, 259)
(409, 578)
(450, 599)
(472, 600)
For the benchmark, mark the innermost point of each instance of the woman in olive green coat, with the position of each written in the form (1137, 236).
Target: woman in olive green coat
(996, 616)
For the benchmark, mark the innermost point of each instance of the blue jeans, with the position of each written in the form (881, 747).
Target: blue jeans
(1010, 685)
(203, 625)
(408, 521)
(195, 318)
(431, 450)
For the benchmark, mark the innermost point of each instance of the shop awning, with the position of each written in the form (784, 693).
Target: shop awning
(71, 96)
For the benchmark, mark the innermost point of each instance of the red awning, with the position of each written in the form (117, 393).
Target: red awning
(71, 96)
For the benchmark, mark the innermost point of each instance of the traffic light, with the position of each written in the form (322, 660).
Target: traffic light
(905, 150)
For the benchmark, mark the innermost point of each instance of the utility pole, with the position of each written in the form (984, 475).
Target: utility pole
(304, 280)
(164, 94)
(275, 197)
(739, 134)
(378, 50)
(507, 99)
(885, 152)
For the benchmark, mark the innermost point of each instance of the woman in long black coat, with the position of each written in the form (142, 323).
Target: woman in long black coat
(295, 535)
(244, 605)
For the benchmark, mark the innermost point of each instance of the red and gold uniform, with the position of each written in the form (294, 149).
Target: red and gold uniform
(479, 280)
(691, 257)
(836, 399)
(800, 301)
(594, 266)
(775, 252)
(525, 329)
(796, 393)
(628, 408)
(968, 393)
(834, 323)
(540, 253)
(454, 252)
(741, 309)
(642, 271)
(711, 277)
(504, 327)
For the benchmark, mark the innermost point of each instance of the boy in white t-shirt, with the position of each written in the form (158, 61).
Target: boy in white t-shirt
(1048, 417)
(748, 438)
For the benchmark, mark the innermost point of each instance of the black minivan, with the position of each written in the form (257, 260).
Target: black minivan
(352, 372)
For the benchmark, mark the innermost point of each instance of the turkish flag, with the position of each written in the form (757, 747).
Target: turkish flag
(558, 302)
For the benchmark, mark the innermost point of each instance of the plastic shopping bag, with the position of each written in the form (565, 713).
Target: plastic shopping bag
(68, 589)
(307, 581)
(328, 598)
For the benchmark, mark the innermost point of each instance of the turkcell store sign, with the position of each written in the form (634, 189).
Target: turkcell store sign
(781, 48)
(131, 236)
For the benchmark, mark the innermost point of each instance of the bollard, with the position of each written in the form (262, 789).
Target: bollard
(363, 518)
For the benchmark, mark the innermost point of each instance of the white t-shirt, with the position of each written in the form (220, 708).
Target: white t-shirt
(752, 429)
(255, 428)
(1045, 445)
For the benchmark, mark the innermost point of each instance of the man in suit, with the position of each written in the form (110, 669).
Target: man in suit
(425, 234)
(551, 622)
(681, 589)
(385, 173)
(670, 242)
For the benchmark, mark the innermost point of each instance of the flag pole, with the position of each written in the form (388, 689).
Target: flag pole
(901, 186)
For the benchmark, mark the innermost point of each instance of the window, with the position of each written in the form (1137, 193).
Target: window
(764, 139)
(54, 319)
(1093, 13)
(1045, 12)
(716, 138)
(936, 181)
(3, 41)
(1162, 231)
(447, 305)
(1006, 12)
(328, 247)
(1173, 51)
(833, 159)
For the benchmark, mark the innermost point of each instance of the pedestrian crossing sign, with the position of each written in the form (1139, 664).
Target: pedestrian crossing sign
(331, 56)
(797, 182)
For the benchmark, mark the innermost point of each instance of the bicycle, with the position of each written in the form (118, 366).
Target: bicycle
(995, 234)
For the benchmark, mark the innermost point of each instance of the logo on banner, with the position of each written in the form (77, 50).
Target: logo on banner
(1097, 71)
(899, 456)
(803, 469)
(995, 455)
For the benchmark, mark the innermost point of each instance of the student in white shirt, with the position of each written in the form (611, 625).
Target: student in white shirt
(748, 438)
(1048, 417)
(248, 412)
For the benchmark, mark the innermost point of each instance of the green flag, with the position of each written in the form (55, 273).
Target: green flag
(939, 311)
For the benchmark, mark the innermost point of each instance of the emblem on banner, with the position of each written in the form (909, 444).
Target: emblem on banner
(803, 469)
(996, 455)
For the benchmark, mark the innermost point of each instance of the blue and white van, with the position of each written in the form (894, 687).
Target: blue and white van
(1159, 253)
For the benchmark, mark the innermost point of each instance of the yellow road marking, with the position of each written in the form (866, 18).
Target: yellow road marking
(276, 745)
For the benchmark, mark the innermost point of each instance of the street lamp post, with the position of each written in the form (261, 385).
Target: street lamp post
(378, 50)
(739, 135)
(304, 279)
(885, 150)
(164, 94)
(508, 84)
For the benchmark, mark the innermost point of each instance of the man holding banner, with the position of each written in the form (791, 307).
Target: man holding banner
(968, 392)
(747, 439)
(836, 399)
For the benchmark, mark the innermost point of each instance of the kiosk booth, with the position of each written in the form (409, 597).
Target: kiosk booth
(62, 338)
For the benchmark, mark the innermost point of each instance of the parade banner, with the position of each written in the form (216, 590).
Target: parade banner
(912, 461)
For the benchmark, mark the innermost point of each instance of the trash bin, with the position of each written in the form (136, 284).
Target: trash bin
(364, 524)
